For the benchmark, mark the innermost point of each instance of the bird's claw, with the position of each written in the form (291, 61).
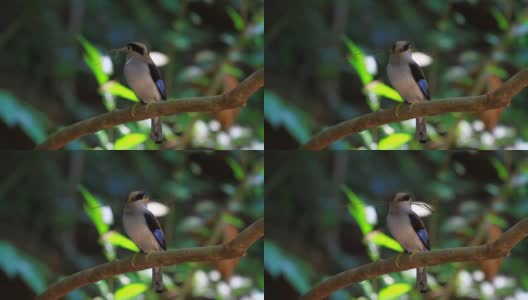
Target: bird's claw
(134, 109)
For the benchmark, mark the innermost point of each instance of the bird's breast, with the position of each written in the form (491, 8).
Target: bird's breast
(401, 78)
(138, 77)
(138, 231)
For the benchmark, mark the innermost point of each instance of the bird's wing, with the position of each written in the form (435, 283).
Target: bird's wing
(155, 228)
(156, 76)
(419, 78)
(419, 228)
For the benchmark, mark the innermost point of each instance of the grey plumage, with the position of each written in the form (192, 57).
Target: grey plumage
(408, 79)
(408, 229)
(144, 78)
(144, 230)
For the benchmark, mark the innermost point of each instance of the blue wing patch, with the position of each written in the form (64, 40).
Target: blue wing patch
(155, 228)
(161, 88)
(419, 78)
(419, 228)
(424, 87)
(158, 234)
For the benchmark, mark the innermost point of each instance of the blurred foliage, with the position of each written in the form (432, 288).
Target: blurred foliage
(328, 213)
(331, 67)
(61, 213)
(56, 69)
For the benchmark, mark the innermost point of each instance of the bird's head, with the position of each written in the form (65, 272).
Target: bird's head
(134, 49)
(138, 195)
(401, 47)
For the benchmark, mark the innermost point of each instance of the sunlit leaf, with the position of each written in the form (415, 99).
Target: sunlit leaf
(394, 141)
(394, 291)
(381, 239)
(119, 240)
(357, 59)
(117, 89)
(130, 141)
(130, 291)
(356, 208)
(93, 59)
(384, 90)
(92, 208)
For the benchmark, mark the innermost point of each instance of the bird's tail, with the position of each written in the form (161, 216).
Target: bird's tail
(155, 133)
(421, 130)
(421, 279)
(157, 280)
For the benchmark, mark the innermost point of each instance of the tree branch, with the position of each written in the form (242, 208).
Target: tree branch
(235, 98)
(499, 98)
(233, 249)
(497, 249)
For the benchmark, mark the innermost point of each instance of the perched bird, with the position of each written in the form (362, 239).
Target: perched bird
(408, 79)
(144, 230)
(408, 229)
(145, 80)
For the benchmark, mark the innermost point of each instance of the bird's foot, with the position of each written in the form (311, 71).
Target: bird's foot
(134, 109)
(398, 109)
(148, 106)
(397, 262)
(410, 109)
(133, 260)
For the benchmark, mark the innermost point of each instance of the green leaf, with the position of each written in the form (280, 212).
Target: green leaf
(230, 219)
(394, 141)
(356, 208)
(119, 90)
(14, 112)
(292, 118)
(29, 274)
(394, 291)
(13, 263)
(502, 22)
(279, 262)
(119, 240)
(236, 18)
(500, 168)
(92, 208)
(357, 59)
(238, 172)
(381, 89)
(93, 59)
(130, 141)
(130, 291)
(381, 239)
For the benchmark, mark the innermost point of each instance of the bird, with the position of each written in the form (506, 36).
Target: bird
(145, 231)
(408, 79)
(408, 229)
(144, 78)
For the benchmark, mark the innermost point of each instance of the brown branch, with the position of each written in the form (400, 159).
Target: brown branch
(499, 98)
(497, 249)
(233, 249)
(235, 98)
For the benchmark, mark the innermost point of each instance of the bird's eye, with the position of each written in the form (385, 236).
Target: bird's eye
(406, 47)
(405, 198)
